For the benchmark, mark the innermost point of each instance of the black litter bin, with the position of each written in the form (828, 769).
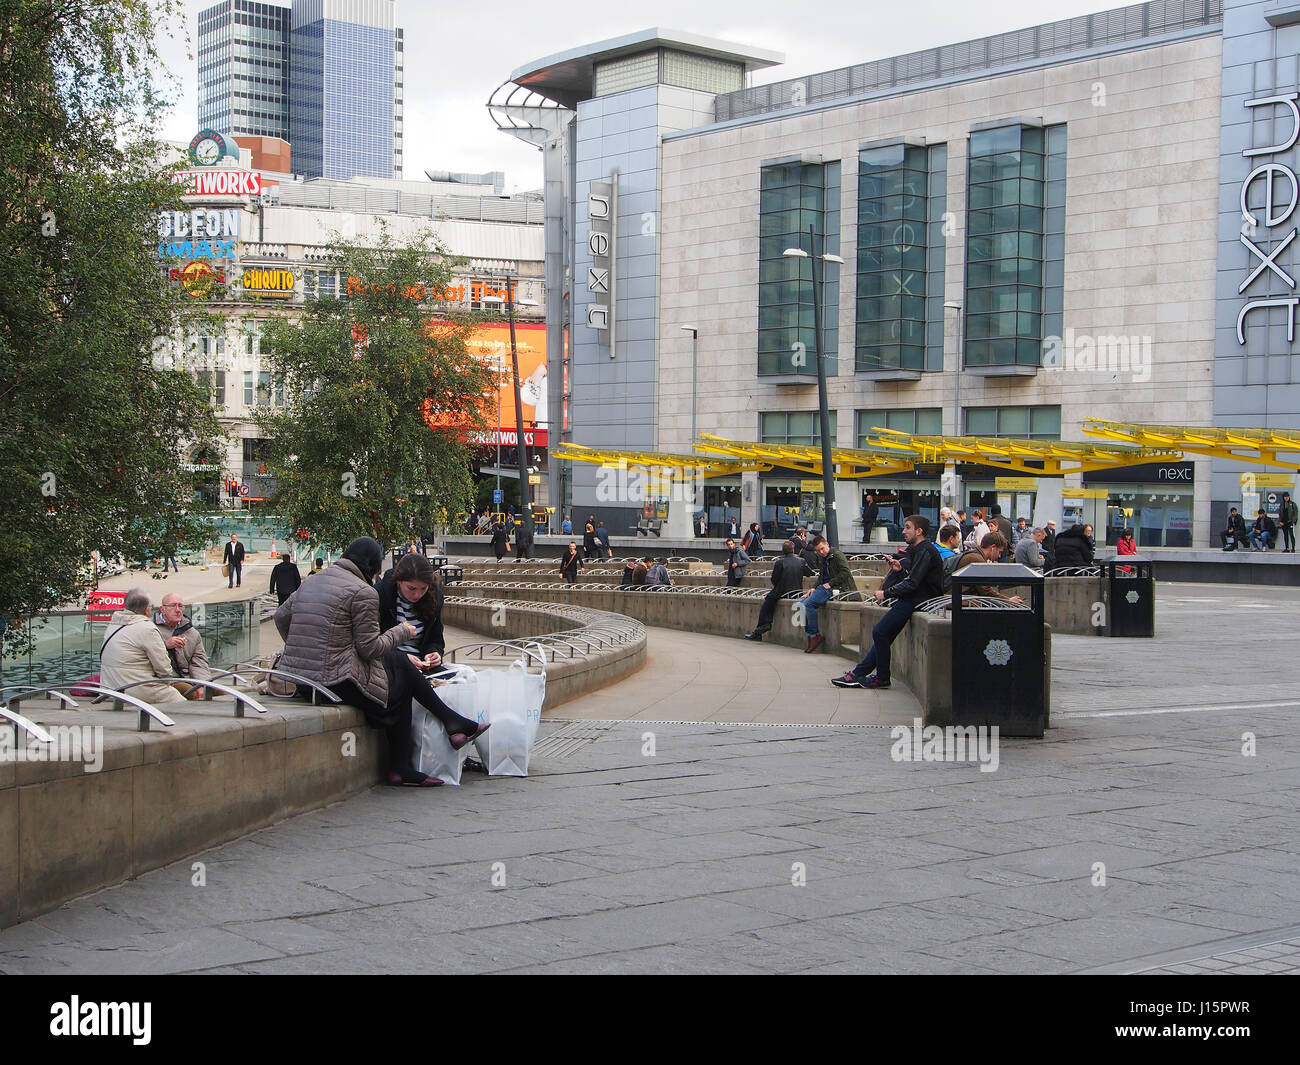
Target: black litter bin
(438, 561)
(1130, 596)
(997, 650)
(451, 574)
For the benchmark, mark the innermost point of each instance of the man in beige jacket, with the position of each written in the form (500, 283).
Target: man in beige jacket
(183, 642)
(133, 650)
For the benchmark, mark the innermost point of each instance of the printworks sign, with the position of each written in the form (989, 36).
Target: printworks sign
(1269, 196)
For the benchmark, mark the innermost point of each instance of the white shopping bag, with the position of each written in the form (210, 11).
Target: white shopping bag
(512, 701)
(434, 755)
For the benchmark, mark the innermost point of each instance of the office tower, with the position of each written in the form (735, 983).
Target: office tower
(243, 62)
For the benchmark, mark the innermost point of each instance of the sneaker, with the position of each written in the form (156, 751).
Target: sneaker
(874, 681)
(848, 681)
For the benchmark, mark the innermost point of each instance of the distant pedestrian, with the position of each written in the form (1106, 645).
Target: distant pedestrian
(500, 540)
(753, 541)
(285, 579)
(1125, 545)
(733, 527)
(870, 511)
(570, 563)
(590, 545)
(602, 537)
(1049, 546)
(737, 560)
(566, 526)
(524, 538)
(1288, 515)
(1028, 550)
(233, 557)
(702, 525)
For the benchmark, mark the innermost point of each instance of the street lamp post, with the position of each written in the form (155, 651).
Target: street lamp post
(695, 336)
(954, 305)
(828, 464)
(525, 493)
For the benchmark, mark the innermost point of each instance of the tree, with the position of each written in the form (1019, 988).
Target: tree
(96, 423)
(380, 390)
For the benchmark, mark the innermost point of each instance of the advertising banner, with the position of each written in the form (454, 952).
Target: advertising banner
(491, 344)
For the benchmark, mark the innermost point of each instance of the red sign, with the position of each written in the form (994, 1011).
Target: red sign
(509, 438)
(219, 181)
(104, 601)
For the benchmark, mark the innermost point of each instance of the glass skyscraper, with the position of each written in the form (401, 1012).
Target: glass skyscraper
(325, 75)
(342, 86)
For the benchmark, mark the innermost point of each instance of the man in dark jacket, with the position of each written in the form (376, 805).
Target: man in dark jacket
(1073, 548)
(285, 579)
(1235, 532)
(788, 573)
(234, 558)
(524, 538)
(1288, 515)
(836, 578)
(998, 523)
(602, 538)
(737, 560)
(1049, 546)
(870, 511)
(923, 580)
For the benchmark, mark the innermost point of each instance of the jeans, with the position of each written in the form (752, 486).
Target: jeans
(810, 602)
(882, 635)
(1288, 537)
(236, 574)
(172, 560)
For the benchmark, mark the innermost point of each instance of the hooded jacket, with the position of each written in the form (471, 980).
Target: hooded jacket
(331, 631)
(1072, 548)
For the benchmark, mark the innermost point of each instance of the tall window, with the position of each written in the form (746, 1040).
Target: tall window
(1004, 246)
(792, 197)
(793, 427)
(892, 216)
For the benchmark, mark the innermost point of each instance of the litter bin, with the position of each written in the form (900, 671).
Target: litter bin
(1130, 596)
(438, 561)
(997, 650)
(451, 574)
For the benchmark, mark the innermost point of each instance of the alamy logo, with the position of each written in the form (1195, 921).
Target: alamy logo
(1087, 353)
(134, 1019)
(68, 743)
(961, 743)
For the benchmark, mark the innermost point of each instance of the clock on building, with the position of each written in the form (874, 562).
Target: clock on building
(208, 147)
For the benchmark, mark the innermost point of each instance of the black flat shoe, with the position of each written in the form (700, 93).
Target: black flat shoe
(396, 780)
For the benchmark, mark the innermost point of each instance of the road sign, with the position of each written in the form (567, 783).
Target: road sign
(498, 495)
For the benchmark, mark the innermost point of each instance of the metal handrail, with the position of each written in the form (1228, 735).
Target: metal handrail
(296, 677)
(147, 710)
(30, 727)
(67, 700)
(240, 697)
(943, 603)
(1074, 571)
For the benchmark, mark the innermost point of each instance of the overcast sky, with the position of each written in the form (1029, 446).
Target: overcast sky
(458, 53)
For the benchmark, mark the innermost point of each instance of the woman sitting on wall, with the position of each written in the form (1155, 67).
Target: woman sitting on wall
(331, 635)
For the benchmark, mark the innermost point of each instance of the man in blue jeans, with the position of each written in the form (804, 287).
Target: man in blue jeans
(914, 577)
(835, 577)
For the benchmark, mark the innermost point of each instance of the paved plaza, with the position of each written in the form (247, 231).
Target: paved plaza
(770, 830)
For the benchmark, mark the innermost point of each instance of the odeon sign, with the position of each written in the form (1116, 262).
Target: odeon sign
(1274, 215)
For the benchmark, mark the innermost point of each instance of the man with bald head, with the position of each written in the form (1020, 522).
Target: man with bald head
(184, 643)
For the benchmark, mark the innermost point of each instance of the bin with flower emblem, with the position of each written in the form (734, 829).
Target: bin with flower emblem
(1130, 596)
(998, 648)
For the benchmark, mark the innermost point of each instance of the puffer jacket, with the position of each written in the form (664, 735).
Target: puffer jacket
(133, 650)
(1073, 548)
(331, 631)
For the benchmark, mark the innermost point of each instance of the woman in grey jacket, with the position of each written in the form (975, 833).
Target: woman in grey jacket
(331, 635)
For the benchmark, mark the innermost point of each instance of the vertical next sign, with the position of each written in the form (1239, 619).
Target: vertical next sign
(602, 209)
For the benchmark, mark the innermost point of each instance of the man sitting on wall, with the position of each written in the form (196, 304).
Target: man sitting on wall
(183, 641)
(1236, 531)
(836, 579)
(1264, 532)
(913, 579)
(133, 650)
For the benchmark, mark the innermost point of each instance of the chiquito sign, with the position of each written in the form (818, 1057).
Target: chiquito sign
(1259, 227)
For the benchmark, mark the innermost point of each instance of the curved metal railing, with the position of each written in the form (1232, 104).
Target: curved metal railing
(597, 630)
(30, 727)
(943, 604)
(298, 678)
(1074, 571)
(67, 700)
(147, 711)
(240, 697)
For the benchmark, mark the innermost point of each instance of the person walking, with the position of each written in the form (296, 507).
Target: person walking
(285, 579)
(737, 560)
(1287, 516)
(590, 545)
(500, 540)
(919, 578)
(788, 573)
(570, 563)
(233, 557)
(602, 538)
(524, 538)
(753, 541)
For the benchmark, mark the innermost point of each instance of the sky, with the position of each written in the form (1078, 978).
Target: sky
(458, 54)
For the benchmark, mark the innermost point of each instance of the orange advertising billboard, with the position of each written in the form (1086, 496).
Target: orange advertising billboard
(491, 344)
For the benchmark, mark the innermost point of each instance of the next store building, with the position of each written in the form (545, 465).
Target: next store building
(1092, 218)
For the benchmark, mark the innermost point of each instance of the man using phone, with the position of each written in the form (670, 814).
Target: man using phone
(913, 578)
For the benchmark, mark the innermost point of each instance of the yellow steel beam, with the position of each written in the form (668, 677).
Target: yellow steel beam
(1258, 446)
(707, 465)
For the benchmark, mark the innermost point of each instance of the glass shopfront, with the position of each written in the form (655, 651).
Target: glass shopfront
(1153, 500)
(895, 500)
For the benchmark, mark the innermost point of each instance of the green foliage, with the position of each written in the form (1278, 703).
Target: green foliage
(95, 422)
(352, 451)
